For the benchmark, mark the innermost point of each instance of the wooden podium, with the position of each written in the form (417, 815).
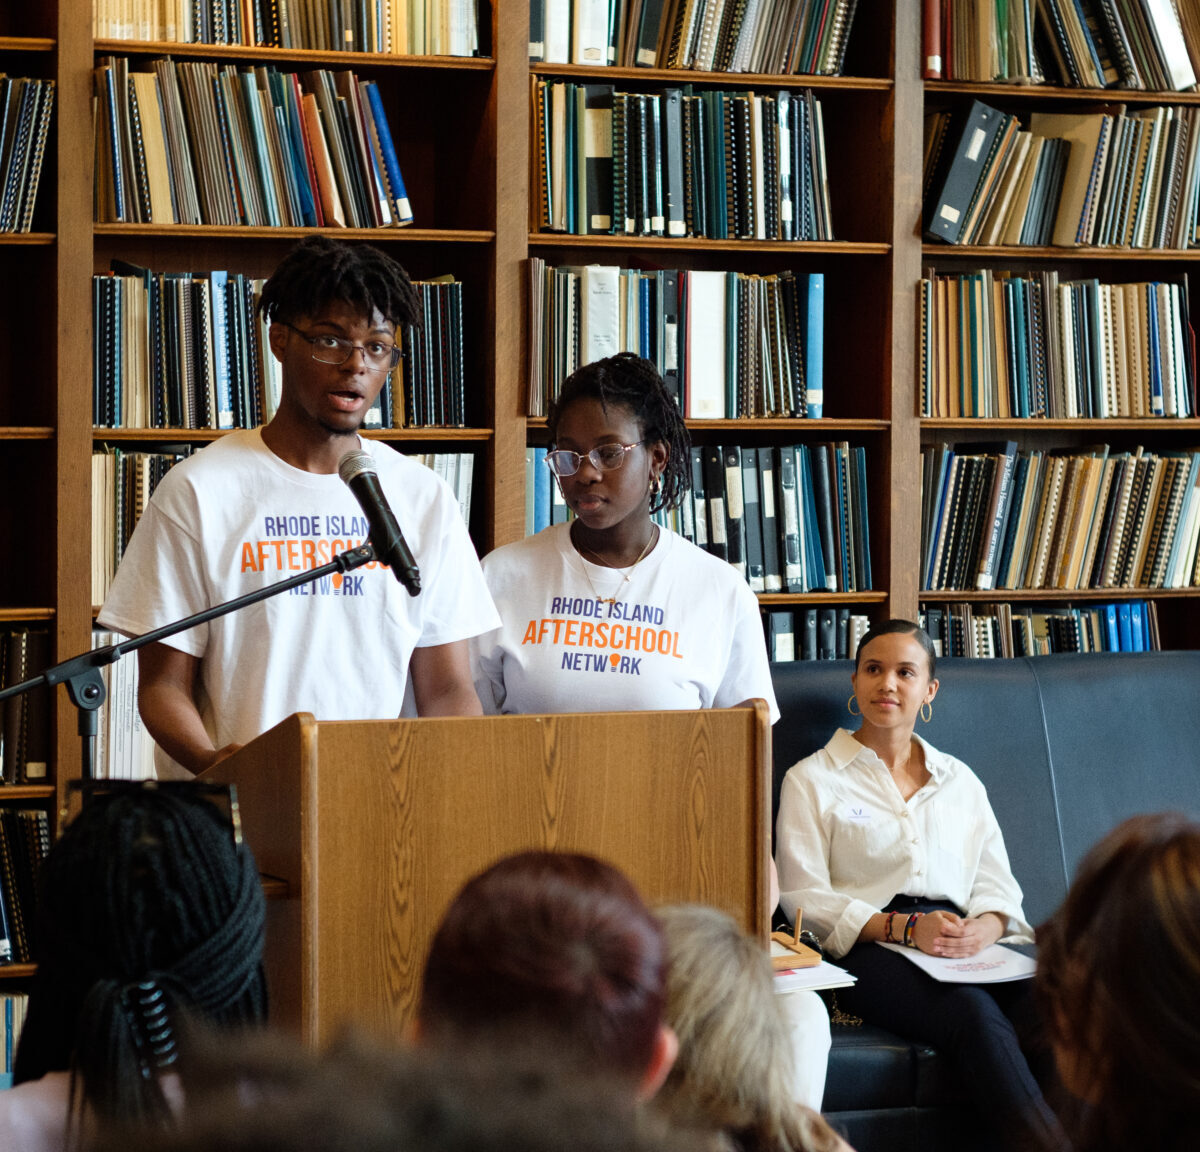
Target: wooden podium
(374, 826)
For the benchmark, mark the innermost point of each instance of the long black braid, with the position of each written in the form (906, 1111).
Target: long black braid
(318, 271)
(149, 915)
(635, 384)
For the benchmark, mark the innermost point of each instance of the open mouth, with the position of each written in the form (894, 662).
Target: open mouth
(346, 401)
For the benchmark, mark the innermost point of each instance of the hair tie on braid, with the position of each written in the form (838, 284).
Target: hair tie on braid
(146, 1004)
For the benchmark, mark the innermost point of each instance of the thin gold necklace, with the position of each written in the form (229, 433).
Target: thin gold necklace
(626, 573)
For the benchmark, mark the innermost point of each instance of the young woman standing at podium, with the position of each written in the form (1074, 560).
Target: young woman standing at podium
(613, 612)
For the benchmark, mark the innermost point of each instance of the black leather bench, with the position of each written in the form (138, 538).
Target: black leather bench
(1067, 746)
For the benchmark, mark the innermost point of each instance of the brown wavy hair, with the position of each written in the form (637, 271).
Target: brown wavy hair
(1119, 985)
(553, 945)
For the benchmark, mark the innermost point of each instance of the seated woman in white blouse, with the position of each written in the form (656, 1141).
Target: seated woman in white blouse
(881, 837)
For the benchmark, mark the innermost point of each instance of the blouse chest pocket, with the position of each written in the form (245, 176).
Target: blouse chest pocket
(858, 835)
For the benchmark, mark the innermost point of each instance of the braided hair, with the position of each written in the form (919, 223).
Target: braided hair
(149, 915)
(633, 383)
(318, 271)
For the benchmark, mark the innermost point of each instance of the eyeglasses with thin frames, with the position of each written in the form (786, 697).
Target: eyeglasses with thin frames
(379, 355)
(605, 458)
(224, 796)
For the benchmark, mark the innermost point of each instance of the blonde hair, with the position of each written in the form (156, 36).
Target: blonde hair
(734, 1069)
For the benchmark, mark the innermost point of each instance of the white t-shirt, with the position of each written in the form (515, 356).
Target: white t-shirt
(235, 518)
(846, 842)
(684, 632)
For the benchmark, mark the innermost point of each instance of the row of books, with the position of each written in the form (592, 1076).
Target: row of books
(1129, 179)
(25, 109)
(180, 350)
(124, 748)
(767, 36)
(194, 142)
(403, 27)
(728, 344)
(183, 350)
(13, 1006)
(458, 470)
(24, 843)
(1080, 43)
(717, 163)
(427, 388)
(813, 633)
(122, 484)
(1023, 214)
(993, 517)
(790, 519)
(1001, 344)
(24, 719)
(1012, 630)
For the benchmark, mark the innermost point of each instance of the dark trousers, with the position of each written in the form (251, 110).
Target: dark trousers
(989, 1034)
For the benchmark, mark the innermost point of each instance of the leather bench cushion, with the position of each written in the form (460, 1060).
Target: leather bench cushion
(1124, 738)
(869, 1068)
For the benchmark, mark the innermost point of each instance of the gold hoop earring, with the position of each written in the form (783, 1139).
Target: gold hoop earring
(655, 484)
(850, 705)
(927, 711)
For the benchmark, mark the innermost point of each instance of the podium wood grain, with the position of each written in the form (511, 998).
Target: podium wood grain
(374, 826)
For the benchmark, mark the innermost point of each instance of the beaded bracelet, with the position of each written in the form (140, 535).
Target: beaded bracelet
(909, 942)
(887, 928)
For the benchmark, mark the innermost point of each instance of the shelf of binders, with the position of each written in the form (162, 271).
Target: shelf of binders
(816, 426)
(677, 76)
(407, 235)
(1042, 254)
(229, 145)
(705, 244)
(661, 161)
(1035, 424)
(1057, 594)
(235, 52)
(205, 435)
(1037, 93)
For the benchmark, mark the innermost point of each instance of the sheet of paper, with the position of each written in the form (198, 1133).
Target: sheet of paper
(993, 965)
(823, 975)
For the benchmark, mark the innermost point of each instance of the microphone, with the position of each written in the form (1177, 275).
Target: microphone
(357, 469)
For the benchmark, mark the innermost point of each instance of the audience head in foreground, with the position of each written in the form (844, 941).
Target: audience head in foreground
(1119, 978)
(270, 1095)
(733, 1072)
(151, 913)
(552, 948)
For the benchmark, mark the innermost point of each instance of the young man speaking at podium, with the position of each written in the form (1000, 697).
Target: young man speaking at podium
(258, 506)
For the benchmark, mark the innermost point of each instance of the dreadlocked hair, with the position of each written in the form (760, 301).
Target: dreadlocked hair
(318, 271)
(149, 916)
(633, 383)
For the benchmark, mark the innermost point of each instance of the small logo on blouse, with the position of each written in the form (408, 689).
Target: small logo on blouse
(860, 815)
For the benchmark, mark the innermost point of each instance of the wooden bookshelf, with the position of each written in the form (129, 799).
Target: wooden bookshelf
(467, 129)
(1178, 622)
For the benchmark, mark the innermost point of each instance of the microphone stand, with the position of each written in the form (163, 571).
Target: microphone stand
(85, 684)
